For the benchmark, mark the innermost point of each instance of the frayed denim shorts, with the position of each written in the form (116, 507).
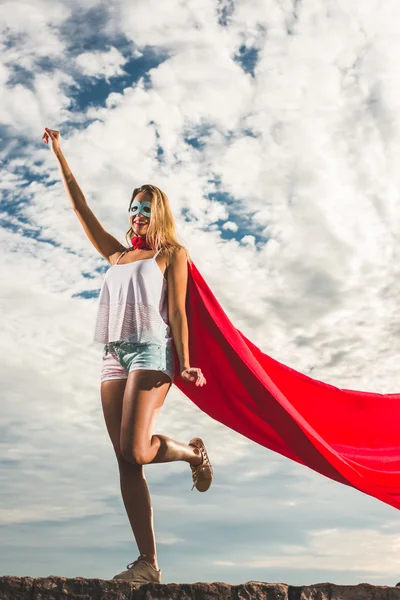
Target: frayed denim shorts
(120, 358)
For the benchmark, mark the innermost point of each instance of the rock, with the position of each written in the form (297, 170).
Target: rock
(59, 588)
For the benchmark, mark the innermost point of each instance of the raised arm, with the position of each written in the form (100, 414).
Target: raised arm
(105, 243)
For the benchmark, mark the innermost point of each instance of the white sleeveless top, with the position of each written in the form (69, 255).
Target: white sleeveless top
(133, 304)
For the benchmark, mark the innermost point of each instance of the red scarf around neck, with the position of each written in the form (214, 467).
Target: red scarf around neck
(140, 243)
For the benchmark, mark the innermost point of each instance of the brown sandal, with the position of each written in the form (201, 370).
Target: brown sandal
(202, 474)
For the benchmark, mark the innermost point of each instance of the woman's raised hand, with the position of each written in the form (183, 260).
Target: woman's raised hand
(54, 136)
(194, 375)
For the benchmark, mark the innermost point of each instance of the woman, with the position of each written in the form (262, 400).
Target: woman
(141, 303)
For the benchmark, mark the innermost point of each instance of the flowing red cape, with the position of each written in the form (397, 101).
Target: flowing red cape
(352, 437)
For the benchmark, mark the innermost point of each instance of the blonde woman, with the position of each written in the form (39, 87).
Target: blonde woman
(141, 313)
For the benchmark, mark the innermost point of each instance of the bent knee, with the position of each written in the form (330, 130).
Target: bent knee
(134, 456)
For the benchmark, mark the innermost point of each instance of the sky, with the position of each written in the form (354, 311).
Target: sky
(273, 128)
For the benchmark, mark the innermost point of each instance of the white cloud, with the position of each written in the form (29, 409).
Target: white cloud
(157, 24)
(27, 111)
(339, 550)
(101, 64)
(250, 240)
(230, 225)
(31, 32)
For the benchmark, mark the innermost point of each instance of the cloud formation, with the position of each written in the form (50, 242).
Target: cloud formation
(273, 128)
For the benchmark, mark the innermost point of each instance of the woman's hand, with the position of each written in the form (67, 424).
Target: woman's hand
(54, 136)
(193, 374)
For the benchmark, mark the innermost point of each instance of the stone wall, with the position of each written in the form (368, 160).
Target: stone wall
(60, 588)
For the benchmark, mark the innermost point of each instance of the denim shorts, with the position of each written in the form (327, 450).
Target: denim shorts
(120, 358)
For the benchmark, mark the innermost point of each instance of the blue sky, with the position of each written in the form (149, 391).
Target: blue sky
(273, 127)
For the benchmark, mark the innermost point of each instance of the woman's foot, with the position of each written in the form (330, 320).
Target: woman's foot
(141, 570)
(202, 473)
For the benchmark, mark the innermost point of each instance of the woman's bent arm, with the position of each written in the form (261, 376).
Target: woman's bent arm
(105, 243)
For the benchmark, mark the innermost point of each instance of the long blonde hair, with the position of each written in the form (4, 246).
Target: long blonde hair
(161, 232)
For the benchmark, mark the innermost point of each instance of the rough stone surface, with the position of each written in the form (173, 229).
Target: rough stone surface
(60, 588)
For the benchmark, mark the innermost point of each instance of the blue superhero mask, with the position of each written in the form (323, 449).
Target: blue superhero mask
(140, 207)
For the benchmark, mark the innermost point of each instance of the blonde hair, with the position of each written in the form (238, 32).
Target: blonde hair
(161, 232)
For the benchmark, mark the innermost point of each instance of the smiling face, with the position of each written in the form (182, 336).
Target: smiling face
(140, 222)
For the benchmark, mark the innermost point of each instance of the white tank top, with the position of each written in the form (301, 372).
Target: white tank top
(133, 304)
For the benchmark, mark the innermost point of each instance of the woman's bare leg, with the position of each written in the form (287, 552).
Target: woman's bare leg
(164, 449)
(137, 502)
(134, 490)
(143, 398)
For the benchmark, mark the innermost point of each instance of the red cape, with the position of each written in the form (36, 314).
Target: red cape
(350, 436)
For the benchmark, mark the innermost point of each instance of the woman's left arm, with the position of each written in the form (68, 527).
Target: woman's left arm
(177, 284)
